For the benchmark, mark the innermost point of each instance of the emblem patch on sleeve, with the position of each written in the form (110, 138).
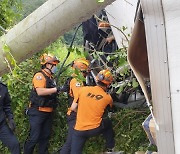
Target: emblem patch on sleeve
(78, 84)
(39, 77)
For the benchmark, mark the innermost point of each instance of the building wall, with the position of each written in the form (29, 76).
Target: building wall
(172, 23)
(160, 73)
(121, 13)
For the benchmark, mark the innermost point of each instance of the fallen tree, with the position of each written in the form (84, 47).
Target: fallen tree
(44, 26)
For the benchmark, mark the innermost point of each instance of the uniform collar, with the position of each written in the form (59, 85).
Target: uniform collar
(101, 88)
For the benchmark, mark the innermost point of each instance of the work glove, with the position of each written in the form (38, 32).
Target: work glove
(59, 89)
(110, 114)
(11, 124)
(26, 109)
(62, 89)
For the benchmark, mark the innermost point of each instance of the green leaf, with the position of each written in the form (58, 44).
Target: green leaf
(122, 61)
(85, 53)
(135, 84)
(71, 49)
(101, 53)
(100, 1)
(78, 51)
(120, 90)
(6, 48)
(124, 28)
(129, 84)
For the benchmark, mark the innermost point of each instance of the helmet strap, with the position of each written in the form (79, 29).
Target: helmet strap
(49, 68)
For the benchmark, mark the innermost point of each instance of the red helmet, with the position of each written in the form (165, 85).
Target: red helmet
(82, 64)
(48, 58)
(105, 77)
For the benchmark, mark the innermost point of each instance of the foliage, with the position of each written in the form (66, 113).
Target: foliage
(30, 6)
(124, 79)
(127, 123)
(130, 137)
(16, 10)
(78, 39)
(9, 13)
(129, 134)
(19, 87)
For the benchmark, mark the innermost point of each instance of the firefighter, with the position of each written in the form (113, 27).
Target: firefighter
(91, 102)
(42, 103)
(72, 86)
(7, 127)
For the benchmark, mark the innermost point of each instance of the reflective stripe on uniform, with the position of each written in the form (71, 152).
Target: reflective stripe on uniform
(45, 109)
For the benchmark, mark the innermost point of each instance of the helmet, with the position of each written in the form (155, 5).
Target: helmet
(105, 77)
(82, 64)
(48, 58)
(103, 24)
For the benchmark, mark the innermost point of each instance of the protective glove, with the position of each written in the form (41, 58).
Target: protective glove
(26, 109)
(59, 89)
(110, 114)
(62, 89)
(12, 124)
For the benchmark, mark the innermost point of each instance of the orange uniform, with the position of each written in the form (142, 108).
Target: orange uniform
(43, 99)
(74, 87)
(92, 102)
(39, 81)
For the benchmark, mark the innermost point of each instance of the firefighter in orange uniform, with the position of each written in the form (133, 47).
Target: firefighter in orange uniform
(42, 103)
(91, 102)
(72, 87)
